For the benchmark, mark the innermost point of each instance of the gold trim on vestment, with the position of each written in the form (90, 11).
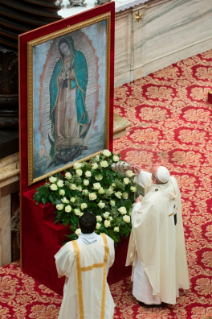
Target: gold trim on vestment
(79, 271)
(171, 214)
(92, 267)
(104, 277)
(79, 279)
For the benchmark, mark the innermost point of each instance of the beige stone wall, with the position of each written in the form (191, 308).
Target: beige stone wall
(9, 184)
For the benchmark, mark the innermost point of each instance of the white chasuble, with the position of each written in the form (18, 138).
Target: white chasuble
(86, 293)
(157, 246)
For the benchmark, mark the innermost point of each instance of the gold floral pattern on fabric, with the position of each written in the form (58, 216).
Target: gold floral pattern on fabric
(22, 297)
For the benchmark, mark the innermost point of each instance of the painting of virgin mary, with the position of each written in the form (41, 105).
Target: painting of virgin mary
(70, 121)
(69, 98)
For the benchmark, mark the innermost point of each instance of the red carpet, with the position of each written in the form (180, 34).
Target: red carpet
(172, 126)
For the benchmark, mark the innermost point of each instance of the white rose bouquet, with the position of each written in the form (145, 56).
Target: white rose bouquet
(92, 187)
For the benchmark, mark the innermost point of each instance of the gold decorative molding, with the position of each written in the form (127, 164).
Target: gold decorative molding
(138, 16)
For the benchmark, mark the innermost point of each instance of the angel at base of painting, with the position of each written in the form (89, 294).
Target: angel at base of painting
(69, 117)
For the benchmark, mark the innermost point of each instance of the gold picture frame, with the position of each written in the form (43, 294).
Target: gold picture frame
(32, 49)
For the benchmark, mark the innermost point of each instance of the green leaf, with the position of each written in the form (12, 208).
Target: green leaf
(51, 198)
(44, 200)
(60, 176)
(72, 237)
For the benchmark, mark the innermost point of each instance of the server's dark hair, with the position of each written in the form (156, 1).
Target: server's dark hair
(87, 223)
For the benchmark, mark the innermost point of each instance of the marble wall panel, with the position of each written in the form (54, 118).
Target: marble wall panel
(170, 31)
(123, 31)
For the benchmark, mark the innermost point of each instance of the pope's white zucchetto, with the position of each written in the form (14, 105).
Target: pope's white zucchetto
(163, 174)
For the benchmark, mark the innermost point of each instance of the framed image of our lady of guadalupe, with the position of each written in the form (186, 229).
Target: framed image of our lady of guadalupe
(66, 94)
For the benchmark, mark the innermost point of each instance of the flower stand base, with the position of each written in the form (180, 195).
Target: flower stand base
(43, 238)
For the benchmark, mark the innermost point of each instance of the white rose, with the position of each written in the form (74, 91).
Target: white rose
(126, 180)
(133, 188)
(106, 153)
(79, 172)
(98, 225)
(129, 173)
(85, 192)
(115, 158)
(107, 223)
(122, 210)
(53, 187)
(77, 165)
(72, 199)
(98, 177)
(81, 214)
(68, 175)
(92, 196)
(77, 212)
(112, 203)
(78, 231)
(126, 218)
(60, 183)
(110, 190)
(96, 185)
(99, 218)
(116, 229)
(73, 187)
(64, 200)
(101, 204)
(106, 214)
(59, 206)
(104, 164)
(118, 194)
(97, 158)
(125, 195)
(94, 166)
(83, 206)
(101, 191)
(88, 174)
(68, 209)
(62, 192)
(79, 188)
(110, 218)
(86, 182)
(52, 179)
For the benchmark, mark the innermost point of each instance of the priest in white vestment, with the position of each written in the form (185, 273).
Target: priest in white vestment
(85, 262)
(157, 245)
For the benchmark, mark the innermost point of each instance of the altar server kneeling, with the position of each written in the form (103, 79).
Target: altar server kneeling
(85, 262)
(157, 246)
